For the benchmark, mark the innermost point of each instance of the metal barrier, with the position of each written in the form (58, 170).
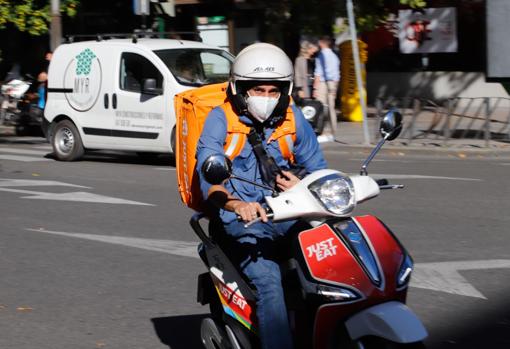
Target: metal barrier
(445, 123)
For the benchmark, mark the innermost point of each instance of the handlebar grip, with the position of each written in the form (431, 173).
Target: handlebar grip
(382, 182)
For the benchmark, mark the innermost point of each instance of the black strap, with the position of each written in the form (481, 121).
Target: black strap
(268, 166)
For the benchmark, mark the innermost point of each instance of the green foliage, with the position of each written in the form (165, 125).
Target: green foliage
(32, 16)
(414, 3)
(372, 13)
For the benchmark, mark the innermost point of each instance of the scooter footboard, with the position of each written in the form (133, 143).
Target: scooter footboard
(393, 321)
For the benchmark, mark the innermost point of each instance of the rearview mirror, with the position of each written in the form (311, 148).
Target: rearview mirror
(216, 169)
(391, 125)
(149, 87)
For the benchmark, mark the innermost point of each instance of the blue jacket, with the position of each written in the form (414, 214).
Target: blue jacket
(307, 153)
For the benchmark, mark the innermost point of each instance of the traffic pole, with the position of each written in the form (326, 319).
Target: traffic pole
(357, 68)
(56, 25)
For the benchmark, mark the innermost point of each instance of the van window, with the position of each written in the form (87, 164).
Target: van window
(135, 68)
(197, 67)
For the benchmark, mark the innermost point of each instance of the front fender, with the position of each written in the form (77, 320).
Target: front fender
(393, 321)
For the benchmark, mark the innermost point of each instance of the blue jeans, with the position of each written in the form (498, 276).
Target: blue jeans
(253, 251)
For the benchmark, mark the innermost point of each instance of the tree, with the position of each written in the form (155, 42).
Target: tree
(32, 16)
(372, 13)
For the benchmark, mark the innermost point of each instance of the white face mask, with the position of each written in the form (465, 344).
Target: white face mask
(261, 107)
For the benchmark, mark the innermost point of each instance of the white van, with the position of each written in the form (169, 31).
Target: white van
(119, 94)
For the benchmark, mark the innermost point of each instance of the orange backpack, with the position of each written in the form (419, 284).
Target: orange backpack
(191, 110)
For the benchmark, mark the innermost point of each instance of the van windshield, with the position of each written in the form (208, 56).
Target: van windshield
(197, 67)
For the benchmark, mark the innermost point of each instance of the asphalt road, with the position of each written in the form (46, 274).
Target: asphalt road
(99, 253)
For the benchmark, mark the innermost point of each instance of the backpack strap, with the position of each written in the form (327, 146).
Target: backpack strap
(237, 132)
(285, 134)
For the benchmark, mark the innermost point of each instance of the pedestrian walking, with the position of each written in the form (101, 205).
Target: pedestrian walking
(327, 77)
(304, 66)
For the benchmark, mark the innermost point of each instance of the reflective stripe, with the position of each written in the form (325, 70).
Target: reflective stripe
(233, 144)
(290, 143)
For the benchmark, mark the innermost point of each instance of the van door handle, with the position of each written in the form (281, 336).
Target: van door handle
(106, 101)
(114, 101)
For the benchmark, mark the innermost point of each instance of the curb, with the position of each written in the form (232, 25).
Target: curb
(463, 151)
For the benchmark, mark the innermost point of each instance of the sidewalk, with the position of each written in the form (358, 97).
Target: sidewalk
(7, 131)
(351, 135)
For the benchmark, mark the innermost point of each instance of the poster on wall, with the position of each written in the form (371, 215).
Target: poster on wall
(430, 30)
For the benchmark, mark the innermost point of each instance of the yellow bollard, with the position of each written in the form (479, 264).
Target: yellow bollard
(351, 107)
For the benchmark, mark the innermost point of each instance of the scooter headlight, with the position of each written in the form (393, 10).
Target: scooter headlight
(337, 294)
(404, 274)
(335, 192)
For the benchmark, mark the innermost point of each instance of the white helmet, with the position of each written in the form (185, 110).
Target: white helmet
(261, 62)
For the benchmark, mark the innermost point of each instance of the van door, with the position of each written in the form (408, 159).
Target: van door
(86, 80)
(138, 114)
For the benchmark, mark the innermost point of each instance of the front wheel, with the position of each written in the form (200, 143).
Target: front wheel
(66, 141)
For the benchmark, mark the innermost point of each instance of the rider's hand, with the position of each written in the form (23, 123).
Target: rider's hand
(287, 181)
(249, 211)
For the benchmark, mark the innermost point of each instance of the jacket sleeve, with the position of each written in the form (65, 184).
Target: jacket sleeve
(307, 150)
(210, 143)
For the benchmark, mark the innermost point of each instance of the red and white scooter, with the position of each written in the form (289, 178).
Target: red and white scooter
(346, 280)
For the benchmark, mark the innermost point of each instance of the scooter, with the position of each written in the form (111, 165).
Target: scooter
(19, 108)
(345, 281)
(13, 93)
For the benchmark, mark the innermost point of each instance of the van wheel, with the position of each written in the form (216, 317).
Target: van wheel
(66, 141)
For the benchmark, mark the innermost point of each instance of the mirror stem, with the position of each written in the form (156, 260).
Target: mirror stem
(374, 152)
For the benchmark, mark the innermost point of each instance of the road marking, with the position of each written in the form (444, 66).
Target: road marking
(386, 160)
(411, 176)
(22, 158)
(22, 151)
(43, 146)
(78, 196)
(441, 276)
(445, 276)
(10, 182)
(179, 248)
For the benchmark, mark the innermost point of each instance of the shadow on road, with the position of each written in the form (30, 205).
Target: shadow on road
(489, 329)
(179, 332)
(120, 157)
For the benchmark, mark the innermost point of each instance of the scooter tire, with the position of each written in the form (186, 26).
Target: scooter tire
(213, 336)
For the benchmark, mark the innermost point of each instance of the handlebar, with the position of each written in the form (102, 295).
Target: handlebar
(384, 184)
(253, 221)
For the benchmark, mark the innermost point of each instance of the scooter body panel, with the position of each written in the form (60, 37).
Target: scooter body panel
(360, 253)
(357, 254)
(237, 298)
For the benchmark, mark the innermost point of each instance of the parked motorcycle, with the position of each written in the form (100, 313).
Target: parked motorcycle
(345, 281)
(18, 107)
